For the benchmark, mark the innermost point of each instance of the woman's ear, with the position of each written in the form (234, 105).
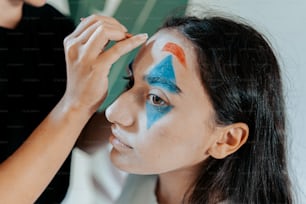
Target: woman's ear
(231, 138)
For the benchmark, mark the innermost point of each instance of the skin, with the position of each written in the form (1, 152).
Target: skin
(11, 11)
(36, 3)
(140, 149)
(42, 154)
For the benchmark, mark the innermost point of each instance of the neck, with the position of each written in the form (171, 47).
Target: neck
(11, 13)
(173, 187)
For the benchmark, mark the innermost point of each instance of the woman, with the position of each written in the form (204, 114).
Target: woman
(204, 112)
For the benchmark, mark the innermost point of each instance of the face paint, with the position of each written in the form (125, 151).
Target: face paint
(175, 50)
(154, 113)
(162, 75)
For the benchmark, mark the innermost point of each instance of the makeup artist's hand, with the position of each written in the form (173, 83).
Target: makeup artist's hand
(88, 63)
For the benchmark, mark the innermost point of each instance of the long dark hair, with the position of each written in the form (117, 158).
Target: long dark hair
(242, 78)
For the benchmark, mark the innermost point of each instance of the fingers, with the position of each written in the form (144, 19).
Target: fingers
(92, 35)
(88, 25)
(88, 63)
(111, 55)
(106, 21)
(85, 35)
(111, 32)
(86, 44)
(102, 35)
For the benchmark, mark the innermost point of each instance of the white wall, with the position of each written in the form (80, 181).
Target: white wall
(284, 23)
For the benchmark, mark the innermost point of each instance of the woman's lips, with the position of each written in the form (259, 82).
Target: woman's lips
(117, 142)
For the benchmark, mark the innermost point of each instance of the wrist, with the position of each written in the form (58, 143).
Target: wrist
(73, 109)
(71, 104)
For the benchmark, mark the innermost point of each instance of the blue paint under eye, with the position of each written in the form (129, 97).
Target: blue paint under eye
(162, 75)
(154, 113)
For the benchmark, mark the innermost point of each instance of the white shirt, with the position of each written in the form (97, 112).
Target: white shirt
(93, 179)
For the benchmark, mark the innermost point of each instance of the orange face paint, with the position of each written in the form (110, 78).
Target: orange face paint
(175, 50)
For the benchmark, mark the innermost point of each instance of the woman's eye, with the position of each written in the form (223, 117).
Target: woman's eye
(156, 100)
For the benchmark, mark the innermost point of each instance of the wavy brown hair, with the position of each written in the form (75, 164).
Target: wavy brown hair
(242, 78)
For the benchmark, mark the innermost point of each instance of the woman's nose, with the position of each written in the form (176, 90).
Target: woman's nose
(121, 111)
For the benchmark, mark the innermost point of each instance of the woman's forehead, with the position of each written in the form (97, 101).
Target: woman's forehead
(168, 56)
(166, 42)
(169, 41)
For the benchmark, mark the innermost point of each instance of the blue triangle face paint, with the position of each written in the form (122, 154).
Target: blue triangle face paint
(162, 76)
(155, 113)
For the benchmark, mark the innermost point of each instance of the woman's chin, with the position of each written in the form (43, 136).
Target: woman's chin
(36, 3)
(124, 164)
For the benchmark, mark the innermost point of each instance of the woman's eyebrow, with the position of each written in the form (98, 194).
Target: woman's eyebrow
(163, 83)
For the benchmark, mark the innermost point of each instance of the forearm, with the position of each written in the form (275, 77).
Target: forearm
(28, 171)
(24, 176)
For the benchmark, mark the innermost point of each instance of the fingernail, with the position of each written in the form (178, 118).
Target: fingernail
(143, 35)
(124, 28)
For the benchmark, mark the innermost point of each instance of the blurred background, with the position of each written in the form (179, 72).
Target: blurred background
(282, 21)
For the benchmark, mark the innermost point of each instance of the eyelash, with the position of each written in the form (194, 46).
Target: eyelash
(130, 82)
(129, 77)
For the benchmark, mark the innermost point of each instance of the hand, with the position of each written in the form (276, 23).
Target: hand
(88, 64)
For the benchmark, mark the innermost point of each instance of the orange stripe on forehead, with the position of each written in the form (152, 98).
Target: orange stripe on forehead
(175, 50)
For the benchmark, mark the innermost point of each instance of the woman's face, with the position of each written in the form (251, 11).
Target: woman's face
(165, 121)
